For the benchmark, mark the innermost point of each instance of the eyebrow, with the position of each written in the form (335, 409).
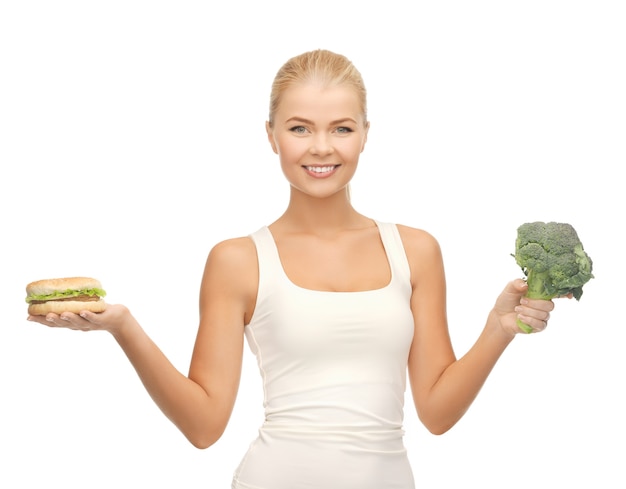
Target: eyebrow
(307, 121)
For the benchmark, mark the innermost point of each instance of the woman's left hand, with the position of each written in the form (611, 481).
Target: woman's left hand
(511, 305)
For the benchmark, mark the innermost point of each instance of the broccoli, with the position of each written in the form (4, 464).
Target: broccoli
(553, 261)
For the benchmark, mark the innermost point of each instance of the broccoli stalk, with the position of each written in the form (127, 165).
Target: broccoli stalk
(536, 285)
(553, 260)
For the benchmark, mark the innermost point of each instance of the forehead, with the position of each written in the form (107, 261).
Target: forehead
(312, 101)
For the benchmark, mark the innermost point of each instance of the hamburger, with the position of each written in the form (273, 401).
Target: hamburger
(71, 294)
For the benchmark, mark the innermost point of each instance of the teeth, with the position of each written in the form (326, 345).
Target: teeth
(320, 169)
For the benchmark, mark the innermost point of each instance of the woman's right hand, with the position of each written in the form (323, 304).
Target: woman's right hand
(112, 319)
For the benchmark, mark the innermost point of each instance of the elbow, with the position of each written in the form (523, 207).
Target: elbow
(438, 430)
(201, 444)
(438, 425)
(202, 441)
(204, 430)
(205, 437)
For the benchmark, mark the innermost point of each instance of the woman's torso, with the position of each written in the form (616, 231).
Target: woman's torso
(333, 366)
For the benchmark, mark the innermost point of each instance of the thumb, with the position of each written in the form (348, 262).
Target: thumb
(510, 297)
(517, 286)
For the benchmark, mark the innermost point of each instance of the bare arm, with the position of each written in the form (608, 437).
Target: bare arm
(443, 386)
(199, 404)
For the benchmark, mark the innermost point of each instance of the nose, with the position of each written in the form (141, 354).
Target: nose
(321, 144)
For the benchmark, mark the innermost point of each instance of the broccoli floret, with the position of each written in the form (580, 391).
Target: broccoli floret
(553, 260)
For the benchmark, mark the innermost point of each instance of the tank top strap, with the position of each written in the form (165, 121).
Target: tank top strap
(267, 256)
(396, 253)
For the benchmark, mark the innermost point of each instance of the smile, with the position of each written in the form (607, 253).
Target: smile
(321, 169)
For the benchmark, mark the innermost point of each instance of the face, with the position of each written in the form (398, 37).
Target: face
(318, 134)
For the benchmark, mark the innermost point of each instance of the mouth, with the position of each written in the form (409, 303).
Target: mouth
(320, 171)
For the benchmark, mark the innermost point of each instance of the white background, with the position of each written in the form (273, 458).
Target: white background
(132, 140)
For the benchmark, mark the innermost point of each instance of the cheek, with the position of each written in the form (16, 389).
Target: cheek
(351, 150)
(290, 150)
(287, 158)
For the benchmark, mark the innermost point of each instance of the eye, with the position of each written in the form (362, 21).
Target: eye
(344, 130)
(298, 129)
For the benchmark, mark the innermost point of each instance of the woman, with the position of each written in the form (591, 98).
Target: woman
(336, 306)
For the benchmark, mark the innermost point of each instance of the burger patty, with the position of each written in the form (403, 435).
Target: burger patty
(81, 298)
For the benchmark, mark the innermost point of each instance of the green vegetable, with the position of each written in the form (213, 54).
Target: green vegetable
(553, 259)
(63, 294)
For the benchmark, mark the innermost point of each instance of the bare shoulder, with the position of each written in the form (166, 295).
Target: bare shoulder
(233, 251)
(424, 255)
(233, 263)
(418, 241)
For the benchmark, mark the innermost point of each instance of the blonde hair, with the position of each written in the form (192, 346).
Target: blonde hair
(321, 67)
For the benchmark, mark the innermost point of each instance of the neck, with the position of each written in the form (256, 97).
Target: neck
(332, 214)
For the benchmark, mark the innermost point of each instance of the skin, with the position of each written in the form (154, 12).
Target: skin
(322, 128)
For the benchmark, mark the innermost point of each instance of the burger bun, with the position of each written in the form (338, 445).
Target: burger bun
(51, 285)
(58, 307)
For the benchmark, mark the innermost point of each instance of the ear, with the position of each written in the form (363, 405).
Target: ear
(367, 130)
(270, 137)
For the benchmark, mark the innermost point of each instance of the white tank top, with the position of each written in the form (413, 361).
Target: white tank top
(333, 366)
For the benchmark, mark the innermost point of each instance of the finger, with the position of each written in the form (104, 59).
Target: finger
(81, 322)
(537, 304)
(535, 323)
(520, 285)
(68, 320)
(534, 313)
(50, 319)
(39, 319)
(90, 316)
(511, 295)
(64, 320)
(516, 287)
(542, 326)
(57, 320)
